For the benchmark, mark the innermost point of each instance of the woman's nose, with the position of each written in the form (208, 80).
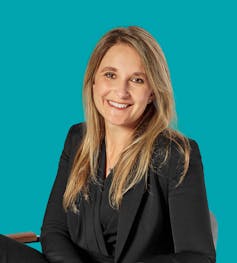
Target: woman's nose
(122, 89)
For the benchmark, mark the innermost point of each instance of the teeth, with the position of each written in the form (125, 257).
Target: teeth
(118, 105)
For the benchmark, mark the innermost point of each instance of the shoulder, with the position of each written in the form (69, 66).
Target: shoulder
(177, 154)
(169, 150)
(169, 163)
(174, 142)
(77, 130)
(191, 144)
(75, 135)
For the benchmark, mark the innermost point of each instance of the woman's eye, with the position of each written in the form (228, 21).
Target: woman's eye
(110, 75)
(137, 80)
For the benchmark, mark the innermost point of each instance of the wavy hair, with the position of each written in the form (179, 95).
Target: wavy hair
(135, 160)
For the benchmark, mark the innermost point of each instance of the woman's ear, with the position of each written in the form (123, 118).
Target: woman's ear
(151, 98)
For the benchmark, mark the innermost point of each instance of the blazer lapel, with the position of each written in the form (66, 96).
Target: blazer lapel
(94, 231)
(128, 211)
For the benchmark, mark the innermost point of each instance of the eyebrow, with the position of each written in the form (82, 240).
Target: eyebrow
(109, 69)
(115, 70)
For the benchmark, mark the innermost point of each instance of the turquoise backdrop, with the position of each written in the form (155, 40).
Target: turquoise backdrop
(44, 49)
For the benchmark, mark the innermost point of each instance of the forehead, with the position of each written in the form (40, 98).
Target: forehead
(122, 56)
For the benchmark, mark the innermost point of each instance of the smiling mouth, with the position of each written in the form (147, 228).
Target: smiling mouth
(118, 105)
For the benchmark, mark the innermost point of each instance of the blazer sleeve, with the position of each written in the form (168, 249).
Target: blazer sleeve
(189, 214)
(55, 239)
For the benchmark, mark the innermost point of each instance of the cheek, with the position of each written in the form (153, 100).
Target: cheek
(99, 94)
(97, 91)
(143, 97)
(100, 89)
(97, 101)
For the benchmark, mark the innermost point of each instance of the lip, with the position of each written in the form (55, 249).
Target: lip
(118, 105)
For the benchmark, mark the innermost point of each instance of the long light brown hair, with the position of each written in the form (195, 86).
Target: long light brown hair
(156, 119)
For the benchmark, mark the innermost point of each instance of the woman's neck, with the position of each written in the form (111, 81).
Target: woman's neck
(116, 140)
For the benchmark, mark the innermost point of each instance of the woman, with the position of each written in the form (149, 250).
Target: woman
(129, 188)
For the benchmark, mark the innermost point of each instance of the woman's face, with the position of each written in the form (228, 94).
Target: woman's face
(121, 91)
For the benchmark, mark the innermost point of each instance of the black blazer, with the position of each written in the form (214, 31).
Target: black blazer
(160, 223)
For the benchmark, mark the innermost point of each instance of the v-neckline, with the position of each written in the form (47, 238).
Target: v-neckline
(97, 224)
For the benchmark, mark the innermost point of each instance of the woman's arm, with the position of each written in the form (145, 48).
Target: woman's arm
(55, 239)
(189, 214)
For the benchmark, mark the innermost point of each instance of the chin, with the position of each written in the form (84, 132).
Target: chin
(121, 124)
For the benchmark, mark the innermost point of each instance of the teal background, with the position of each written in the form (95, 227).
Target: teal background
(44, 49)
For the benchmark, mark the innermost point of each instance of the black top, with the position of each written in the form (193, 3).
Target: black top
(108, 217)
(158, 221)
